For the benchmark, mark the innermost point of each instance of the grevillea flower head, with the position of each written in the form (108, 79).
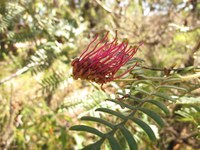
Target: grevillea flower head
(102, 59)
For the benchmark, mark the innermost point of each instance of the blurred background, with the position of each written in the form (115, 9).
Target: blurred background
(39, 99)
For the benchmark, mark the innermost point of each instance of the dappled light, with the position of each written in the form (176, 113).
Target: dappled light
(100, 75)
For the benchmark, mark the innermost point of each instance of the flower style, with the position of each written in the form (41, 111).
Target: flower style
(101, 62)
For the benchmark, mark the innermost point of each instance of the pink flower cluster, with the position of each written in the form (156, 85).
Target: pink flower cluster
(102, 59)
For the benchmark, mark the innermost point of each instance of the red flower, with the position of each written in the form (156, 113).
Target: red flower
(101, 63)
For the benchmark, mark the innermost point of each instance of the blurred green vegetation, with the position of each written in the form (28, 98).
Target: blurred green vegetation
(40, 101)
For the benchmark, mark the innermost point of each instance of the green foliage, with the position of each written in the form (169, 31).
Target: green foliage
(44, 57)
(52, 82)
(132, 107)
(155, 106)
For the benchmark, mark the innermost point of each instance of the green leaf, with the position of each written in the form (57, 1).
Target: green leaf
(145, 127)
(142, 91)
(153, 115)
(172, 87)
(160, 105)
(94, 146)
(134, 98)
(63, 137)
(189, 100)
(152, 78)
(164, 96)
(187, 69)
(129, 138)
(98, 120)
(170, 80)
(111, 112)
(87, 129)
(122, 104)
(114, 143)
(135, 59)
(147, 82)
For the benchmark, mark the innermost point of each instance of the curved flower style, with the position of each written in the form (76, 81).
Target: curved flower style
(101, 63)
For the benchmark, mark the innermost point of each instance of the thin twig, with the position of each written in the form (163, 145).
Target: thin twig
(19, 72)
(164, 69)
(182, 78)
